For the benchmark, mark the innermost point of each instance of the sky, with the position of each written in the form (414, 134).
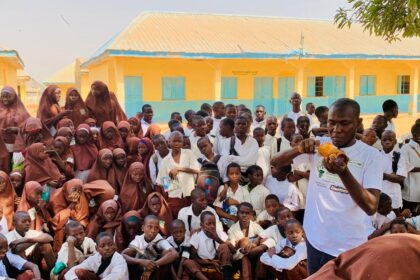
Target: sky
(50, 34)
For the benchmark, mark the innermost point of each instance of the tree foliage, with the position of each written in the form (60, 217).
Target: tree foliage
(390, 19)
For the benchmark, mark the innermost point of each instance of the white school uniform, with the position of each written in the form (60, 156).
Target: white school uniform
(302, 184)
(264, 160)
(140, 244)
(205, 246)
(390, 188)
(15, 260)
(235, 234)
(117, 269)
(144, 125)
(256, 124)
(414, 221)
(194, 222)
(88, 247)
(14, 235)
(286, 191)
(155, 166)
(188, 131)
(284, 146)
(376, 221)
(194, 148)
(247, 152)
(185, 243)
(216, 126)
(273, 236)
(329, 204)
(222, 145)
(4, 228)
(241, 195)
(279, 263)
(269, 140)
(184, 183)
(222, 164)
(294, 116)
(264, 216)
(410, 153)
(390, 126)
(257, 196)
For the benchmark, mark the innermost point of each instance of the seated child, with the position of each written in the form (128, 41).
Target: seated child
(75, 250)
(245, 236)
(257, 191)
(181, 243)
(267, 216)
(275, 233)
(149, 254)
(264, 152)
(210, 250)
(14, 266)
(106, 263)
(398, 226)
(230, 195)
(288, 259)
(32, 245)
(279, 184)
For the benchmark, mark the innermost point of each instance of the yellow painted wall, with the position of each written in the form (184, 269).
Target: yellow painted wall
(7, 74)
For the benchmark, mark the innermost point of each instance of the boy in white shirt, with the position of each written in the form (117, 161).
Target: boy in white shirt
(257, 191)
(218, 115)
(223, 138)
(180, 165)
(161, 151)
(379, 124)
(266, 217)
(275, 233)
(259, 120)
(287, 128)
(181, 243)
(149, 253)
(286, 191)
(105, 264)
(264, 153)
(200, 130)
(271, 127)
(210, 249)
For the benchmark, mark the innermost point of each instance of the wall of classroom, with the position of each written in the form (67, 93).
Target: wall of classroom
(8, 74)
(140, 80)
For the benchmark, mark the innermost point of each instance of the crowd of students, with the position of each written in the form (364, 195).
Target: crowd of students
(87, 193)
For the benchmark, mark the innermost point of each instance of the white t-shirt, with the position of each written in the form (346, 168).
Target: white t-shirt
(4, 228)
(14, 260)
(279, 263)
(193, 141)
(247, 151)
(286, 191)
(216, 126)
(14, 235)
(241, 195)
(235, 234)
(155, 166)
(294, 116)
(273, 236)
(257, 196)
(88, 247)
(140, 244)
(333, 222)
(410, 154)
(184, 214)
(184, 182)
(185, 244)
(256, 124)
(264, 216)
(263, 160)
(390, 126)
(205, 246)
(390, 188)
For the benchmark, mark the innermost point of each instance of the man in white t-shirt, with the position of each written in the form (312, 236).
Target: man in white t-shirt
(340, 193)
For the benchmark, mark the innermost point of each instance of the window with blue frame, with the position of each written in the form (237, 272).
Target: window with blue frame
(404, 84)
(327, 86)
(367, 85)
(173, 88)
(229, 87)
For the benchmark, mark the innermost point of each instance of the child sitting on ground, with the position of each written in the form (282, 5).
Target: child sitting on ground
(210, 250)
(14, 266)
(106, 263)
(149, 253)
(267, 216)
(181, 243)
(288, 259)
(275, 233)
(75, 250)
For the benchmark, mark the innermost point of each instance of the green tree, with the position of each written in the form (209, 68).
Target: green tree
(390, 19)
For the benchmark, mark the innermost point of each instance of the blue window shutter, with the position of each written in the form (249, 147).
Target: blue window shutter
(310, 87)
(339, 86)
(133, 94)
(363, 87)
(229, 87)
(329, 86)
(371, 85)
(399, 84)
(173, 88)
(286, 87)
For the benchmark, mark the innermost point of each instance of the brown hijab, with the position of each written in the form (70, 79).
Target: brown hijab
(66, 207)
(135, 123)
(119, 171)
(100, 222)
(99, 172)
(153, 130)
(150, 151)
(41, 215)
(48, 108)
(12, 115)
(392, 256)
(103, 106)
(113, 143)
(7, 199)
(164, 215)
(4, 156)
(84, 154)
(39, 166)
(122, 237)
(126, 125)
(99, 190)
(28, 128)
(65, 123)
(132, 150)
(133, 195)
(79, 111)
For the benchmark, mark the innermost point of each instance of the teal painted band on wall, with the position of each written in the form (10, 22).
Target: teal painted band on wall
(373, 104)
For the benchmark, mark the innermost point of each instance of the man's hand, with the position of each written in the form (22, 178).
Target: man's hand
(308, 146)
(335, 165)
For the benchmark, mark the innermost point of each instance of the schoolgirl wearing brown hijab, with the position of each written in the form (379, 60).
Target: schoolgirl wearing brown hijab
(85, 152)
(63, 157)
(109, 137)
(120, 167)
(102, 169)
(7, 198)
(108, 218)
(75, 104)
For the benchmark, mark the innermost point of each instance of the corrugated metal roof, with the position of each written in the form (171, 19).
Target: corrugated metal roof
(65, 75)
(227, 36)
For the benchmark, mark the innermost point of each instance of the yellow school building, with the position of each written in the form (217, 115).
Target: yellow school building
(176, 61)
(10, 63)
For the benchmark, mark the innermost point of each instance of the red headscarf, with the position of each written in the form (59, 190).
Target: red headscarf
(99, 172)
(12, 115)
(100, 222)
(42, 215)
(136, 125)
(132, 150)
(39, 167)
(48, 108)
(164, 215)
(126, 125)
(119, 171)
(60, 204)
(104, 106)
(79, 111)
(150, 151)
(65, 123)
(133, 195)
(99, 190)
(122, 238)
(153, 130)
(68, 152)
(84, 154)
(111, 144)
(28, 127)
(7, 199)
(4, 156)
